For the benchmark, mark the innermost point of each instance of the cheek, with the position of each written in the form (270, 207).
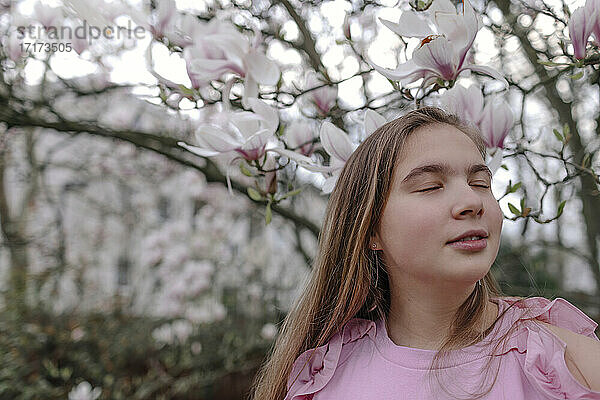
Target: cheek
(410, 225)
(496, 216)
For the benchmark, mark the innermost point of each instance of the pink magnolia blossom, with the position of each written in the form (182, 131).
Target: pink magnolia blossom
(593, 7)
(13, 46)
(338, 145)
(300, 135)
(447, 37)
(495, 120)
(247, 134)
(371, 121)
(46, 15)
(222, 49)
(163, 18)
(467, 103)
(580, 29)
(324, 97)
(496, 123)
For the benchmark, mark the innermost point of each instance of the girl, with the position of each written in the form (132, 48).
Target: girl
(402, 292)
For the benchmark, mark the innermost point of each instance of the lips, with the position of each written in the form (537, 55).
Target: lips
(476, 232)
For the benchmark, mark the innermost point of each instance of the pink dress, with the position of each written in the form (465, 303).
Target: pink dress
(362, 363)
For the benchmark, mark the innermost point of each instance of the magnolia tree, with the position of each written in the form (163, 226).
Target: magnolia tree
(272, 98)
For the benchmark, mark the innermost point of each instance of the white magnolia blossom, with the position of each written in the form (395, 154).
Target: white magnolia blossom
(338, 145)
(447, 37)
(163, 17)
(322, 98)
(371, 121)
(494, 120)
(13, 46)
(84, 391)
(222, 49)
(101, 13)
(46, 15)
(300, 135)
(247, 133)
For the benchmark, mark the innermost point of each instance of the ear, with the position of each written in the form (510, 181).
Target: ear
(375, 239)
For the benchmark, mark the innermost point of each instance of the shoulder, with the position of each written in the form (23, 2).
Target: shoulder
(559, 346)
(582, 355)
(314, 368)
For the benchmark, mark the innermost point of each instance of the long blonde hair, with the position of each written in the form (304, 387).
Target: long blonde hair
(348, 279)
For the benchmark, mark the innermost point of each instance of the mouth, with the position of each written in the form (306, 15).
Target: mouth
(470, 245)
(472, 240)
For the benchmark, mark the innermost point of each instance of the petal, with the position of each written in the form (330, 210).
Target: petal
(372, 121)
(335, 141)
(442, 6)
(495, 160)
(198, 150)
(250, 90)
(269, 114)
(262, 69)
(580, 28)
(329, 184)
(209, 69)
(212, 138)
(258, 140)
(303, 161)
(438, 56)
(407, 72)
(234, 45)
(486, 71)
(409, 25)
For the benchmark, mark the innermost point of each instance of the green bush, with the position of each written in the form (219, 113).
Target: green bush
(43, 356)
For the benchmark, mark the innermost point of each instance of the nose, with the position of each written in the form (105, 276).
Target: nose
(469, 203)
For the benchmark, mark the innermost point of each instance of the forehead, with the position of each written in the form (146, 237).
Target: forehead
(439, 142)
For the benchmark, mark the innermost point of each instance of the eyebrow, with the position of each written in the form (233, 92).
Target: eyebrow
(445, 169)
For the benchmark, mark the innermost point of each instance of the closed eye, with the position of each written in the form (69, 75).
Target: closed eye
(429, 189)
(438, 187)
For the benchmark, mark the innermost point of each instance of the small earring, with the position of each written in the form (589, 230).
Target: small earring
(374, 245)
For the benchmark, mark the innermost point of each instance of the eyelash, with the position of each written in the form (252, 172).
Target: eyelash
(437, 187)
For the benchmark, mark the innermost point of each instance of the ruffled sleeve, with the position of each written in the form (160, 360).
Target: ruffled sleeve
(315, 367)
(544, 352)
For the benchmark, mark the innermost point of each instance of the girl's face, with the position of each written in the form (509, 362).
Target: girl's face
(428, 207)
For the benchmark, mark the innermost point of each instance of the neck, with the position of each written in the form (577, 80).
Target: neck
(424, 321)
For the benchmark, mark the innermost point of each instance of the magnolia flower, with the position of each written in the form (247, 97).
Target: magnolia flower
(323, 97)
(372, 120)
(228, 50)
(248, 134)
(13, 46)
(300, 135)
(593, 7)
(447, 37)
(84, 391)
(581, 24)
(494, 121)
(338, 145)
(46, 15)
(101, 13)
(467, 103)
(163, 20)
(185, 29)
